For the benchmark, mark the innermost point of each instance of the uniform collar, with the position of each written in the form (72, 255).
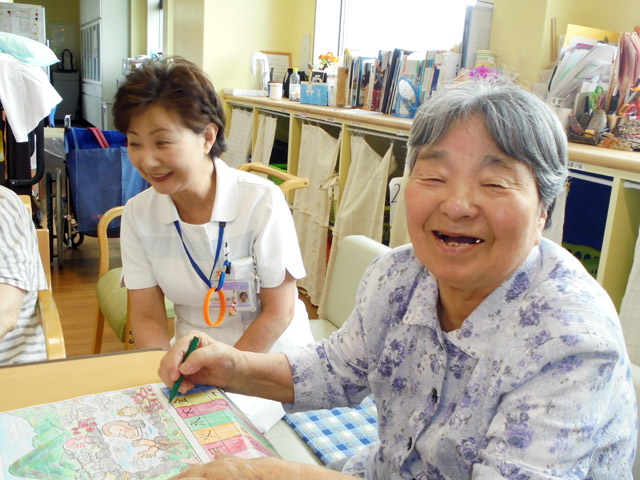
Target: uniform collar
(225, 205)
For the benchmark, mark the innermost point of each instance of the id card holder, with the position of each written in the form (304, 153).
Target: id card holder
(240, 287)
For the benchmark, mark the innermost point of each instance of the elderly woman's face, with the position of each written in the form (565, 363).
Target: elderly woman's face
(473, 213)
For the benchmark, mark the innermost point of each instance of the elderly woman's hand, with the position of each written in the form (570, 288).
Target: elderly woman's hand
(212, 363)
(227, 467)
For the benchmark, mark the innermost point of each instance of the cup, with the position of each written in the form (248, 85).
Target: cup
(275, 91)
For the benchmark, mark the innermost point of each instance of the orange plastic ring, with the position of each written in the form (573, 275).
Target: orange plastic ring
(205, 307)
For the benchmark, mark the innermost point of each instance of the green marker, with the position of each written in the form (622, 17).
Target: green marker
(176, 386)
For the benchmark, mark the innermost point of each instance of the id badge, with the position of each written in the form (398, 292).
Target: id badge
(240, 287)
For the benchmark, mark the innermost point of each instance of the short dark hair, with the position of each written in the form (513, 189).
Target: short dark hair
(177, 85)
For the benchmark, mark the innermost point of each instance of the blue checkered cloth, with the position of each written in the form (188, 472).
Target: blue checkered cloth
(338, 433)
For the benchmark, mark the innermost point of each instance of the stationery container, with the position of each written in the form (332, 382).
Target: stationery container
(314, 93)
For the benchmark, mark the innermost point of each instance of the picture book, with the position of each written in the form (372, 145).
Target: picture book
(381, 69)
(131, 433)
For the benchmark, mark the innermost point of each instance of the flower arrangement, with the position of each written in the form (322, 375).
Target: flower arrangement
(327, 59)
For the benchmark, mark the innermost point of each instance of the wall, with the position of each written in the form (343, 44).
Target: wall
(220, 35)
(138, 12)
(521, 29)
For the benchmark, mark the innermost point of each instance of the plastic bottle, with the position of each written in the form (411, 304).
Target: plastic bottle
(294, 86)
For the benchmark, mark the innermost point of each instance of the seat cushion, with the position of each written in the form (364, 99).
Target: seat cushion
(321, 328)
(112, 300)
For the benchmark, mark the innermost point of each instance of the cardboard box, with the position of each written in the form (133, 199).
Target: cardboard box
(314, 93)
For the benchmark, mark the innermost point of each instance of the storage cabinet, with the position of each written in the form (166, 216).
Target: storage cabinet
(622, 170)
(104, 36)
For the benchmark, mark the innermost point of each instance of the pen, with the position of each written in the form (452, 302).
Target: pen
(176, 386)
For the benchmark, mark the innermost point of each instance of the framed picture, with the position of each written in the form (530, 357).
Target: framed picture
(279, 62)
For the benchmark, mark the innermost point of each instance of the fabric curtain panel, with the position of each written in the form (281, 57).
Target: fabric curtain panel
(265, 137)
(630, 309)
(312, 205)
(554, 232)
(361, 209)
(240, 136)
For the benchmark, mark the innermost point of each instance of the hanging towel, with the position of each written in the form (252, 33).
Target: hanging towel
(630, 309)
(240, 136)
(264, 139)
(26, 95)
(312, 205)
(362, 204)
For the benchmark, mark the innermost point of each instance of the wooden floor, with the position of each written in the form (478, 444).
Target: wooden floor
(74, 293)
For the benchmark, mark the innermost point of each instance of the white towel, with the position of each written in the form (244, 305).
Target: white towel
(26, 95)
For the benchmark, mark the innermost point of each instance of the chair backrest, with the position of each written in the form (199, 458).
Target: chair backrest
(355, 254)
(289, 182)
(47, 310)
(635, 373)
(103, 239)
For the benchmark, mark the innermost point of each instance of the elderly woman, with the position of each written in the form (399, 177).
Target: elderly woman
(491, 352)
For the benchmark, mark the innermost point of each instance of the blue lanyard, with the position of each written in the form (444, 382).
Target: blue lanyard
(226, 264)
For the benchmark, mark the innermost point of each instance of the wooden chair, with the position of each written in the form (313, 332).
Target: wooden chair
(113, 300)
(289, 182)
(46, 306)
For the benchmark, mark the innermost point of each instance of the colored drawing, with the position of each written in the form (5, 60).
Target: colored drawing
(132, 433)
(219, 426)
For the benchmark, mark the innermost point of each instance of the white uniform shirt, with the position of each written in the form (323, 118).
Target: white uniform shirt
(21, 267)
(258, 224)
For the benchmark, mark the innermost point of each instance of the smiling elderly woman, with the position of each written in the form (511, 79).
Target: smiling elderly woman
(491, 352)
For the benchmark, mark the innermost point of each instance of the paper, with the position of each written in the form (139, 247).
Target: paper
(131, 433)
(589, 32)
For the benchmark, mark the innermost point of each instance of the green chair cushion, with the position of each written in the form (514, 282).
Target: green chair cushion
(112, 299)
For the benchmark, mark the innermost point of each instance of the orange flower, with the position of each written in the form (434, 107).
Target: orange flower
(327, 58)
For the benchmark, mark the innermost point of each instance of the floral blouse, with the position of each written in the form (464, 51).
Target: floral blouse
(536, 384)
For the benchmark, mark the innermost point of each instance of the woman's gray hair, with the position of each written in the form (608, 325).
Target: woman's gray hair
(520, 123)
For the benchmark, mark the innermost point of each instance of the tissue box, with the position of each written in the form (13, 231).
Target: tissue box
(314, 93)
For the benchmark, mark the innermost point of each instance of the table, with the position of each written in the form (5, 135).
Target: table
(47, 382)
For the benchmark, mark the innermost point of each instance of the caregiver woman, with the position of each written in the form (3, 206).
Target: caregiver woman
(491, 351)
(202, 225)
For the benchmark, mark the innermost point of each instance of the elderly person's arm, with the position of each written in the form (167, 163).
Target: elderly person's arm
(230, 467)
(11, 299)
(555, 420)
(264, 375)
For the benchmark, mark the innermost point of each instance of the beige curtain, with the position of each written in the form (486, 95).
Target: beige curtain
(240, 136)
(312, 205)
(362, 204)
(630, 309)
(264, 139)
(554, 232)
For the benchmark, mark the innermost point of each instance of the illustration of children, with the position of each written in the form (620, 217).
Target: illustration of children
(131, 430)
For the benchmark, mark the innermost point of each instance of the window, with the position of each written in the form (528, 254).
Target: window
(371, 25)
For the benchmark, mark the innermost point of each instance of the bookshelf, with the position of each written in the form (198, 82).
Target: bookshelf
(622, 168)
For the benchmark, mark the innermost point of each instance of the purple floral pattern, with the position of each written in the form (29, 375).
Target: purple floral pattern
(535, 384)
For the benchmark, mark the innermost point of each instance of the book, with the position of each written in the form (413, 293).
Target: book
(366, 64)
(131, 433)
(389, 80)
(477, 31)
(381, 71)
(407, 101)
